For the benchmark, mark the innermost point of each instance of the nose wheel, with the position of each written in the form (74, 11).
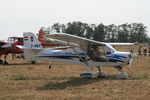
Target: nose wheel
(50, 65)
(5, 60)
(122, 75)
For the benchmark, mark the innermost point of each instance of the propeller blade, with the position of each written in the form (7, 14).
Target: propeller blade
(6, 46)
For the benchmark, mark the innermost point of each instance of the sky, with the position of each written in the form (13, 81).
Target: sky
(18, 16)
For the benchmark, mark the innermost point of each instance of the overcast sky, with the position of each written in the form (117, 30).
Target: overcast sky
(18, 16)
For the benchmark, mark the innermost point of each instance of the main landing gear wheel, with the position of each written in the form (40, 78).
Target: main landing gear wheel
(33, 62)
(1, 61)
(101, 74)
(50, 65)
(86, 74)
(123, 75)
(93, 74)
(5, 63)
(90, 74)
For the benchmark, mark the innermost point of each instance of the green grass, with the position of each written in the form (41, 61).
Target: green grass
(141, 77)
(19, 77)
(30, 68)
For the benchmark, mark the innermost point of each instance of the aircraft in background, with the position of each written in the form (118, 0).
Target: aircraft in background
(2, 51)
(79, 51)
(10, 47)
(44, 42)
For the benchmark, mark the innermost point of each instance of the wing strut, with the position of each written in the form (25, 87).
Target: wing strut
(84, 60)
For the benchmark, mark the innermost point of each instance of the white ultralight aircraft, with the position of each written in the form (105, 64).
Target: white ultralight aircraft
(78, 50)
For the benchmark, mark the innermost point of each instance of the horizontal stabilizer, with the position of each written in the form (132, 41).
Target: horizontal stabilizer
(33, 48)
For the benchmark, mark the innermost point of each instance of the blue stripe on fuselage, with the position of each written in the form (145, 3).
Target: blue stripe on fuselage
(65, 54)
(116, 56)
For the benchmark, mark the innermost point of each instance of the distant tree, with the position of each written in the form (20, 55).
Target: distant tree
(138, 33)
(56, 27)
(89, 31)
(111, 33)
(63, 28)
(99, 33)
(76, 28)
(123, 33)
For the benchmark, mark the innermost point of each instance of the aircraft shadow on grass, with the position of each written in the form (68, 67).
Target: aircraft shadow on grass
(73, 82)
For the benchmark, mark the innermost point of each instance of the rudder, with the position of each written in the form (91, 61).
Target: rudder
(31, 42)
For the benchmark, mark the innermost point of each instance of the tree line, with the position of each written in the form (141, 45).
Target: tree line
(134, 32)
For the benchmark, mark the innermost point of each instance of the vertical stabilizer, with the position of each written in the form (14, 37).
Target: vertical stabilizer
(31, 43)
(41, 36)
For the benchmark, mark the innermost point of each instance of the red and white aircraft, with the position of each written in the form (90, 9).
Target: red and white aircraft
(10, 47)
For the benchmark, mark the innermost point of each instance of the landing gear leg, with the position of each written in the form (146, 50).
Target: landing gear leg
(5, 62)
(101, 74)
(99, 69)
(50, 65)
(122, 75)
(1, 61)
(33, 62)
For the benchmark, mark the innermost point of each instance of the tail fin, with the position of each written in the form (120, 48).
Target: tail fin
(31, 41)
(40, 36)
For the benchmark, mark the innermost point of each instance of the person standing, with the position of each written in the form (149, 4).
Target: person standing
(140, 50)
(145, 50)
(131, 49)
(149, 51)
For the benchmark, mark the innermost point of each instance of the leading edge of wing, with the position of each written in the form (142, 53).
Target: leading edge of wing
(78, 38)
(59, 36)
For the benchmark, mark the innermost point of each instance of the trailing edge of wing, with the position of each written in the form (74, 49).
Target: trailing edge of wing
(116, 44)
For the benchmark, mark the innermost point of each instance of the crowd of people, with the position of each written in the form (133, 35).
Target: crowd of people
(144, 50)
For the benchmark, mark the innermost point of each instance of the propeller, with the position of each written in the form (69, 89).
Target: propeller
(10, 47)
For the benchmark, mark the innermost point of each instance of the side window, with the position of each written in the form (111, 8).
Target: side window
(97, 53)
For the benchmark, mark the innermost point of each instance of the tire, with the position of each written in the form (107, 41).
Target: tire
(1, 61)
(33, 62)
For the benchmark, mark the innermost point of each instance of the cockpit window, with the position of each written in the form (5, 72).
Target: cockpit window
(98, 52)
(10, 39)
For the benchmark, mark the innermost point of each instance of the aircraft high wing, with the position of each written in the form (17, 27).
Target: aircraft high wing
(81, 42)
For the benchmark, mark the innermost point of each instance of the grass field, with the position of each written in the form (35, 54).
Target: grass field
(23, 81)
